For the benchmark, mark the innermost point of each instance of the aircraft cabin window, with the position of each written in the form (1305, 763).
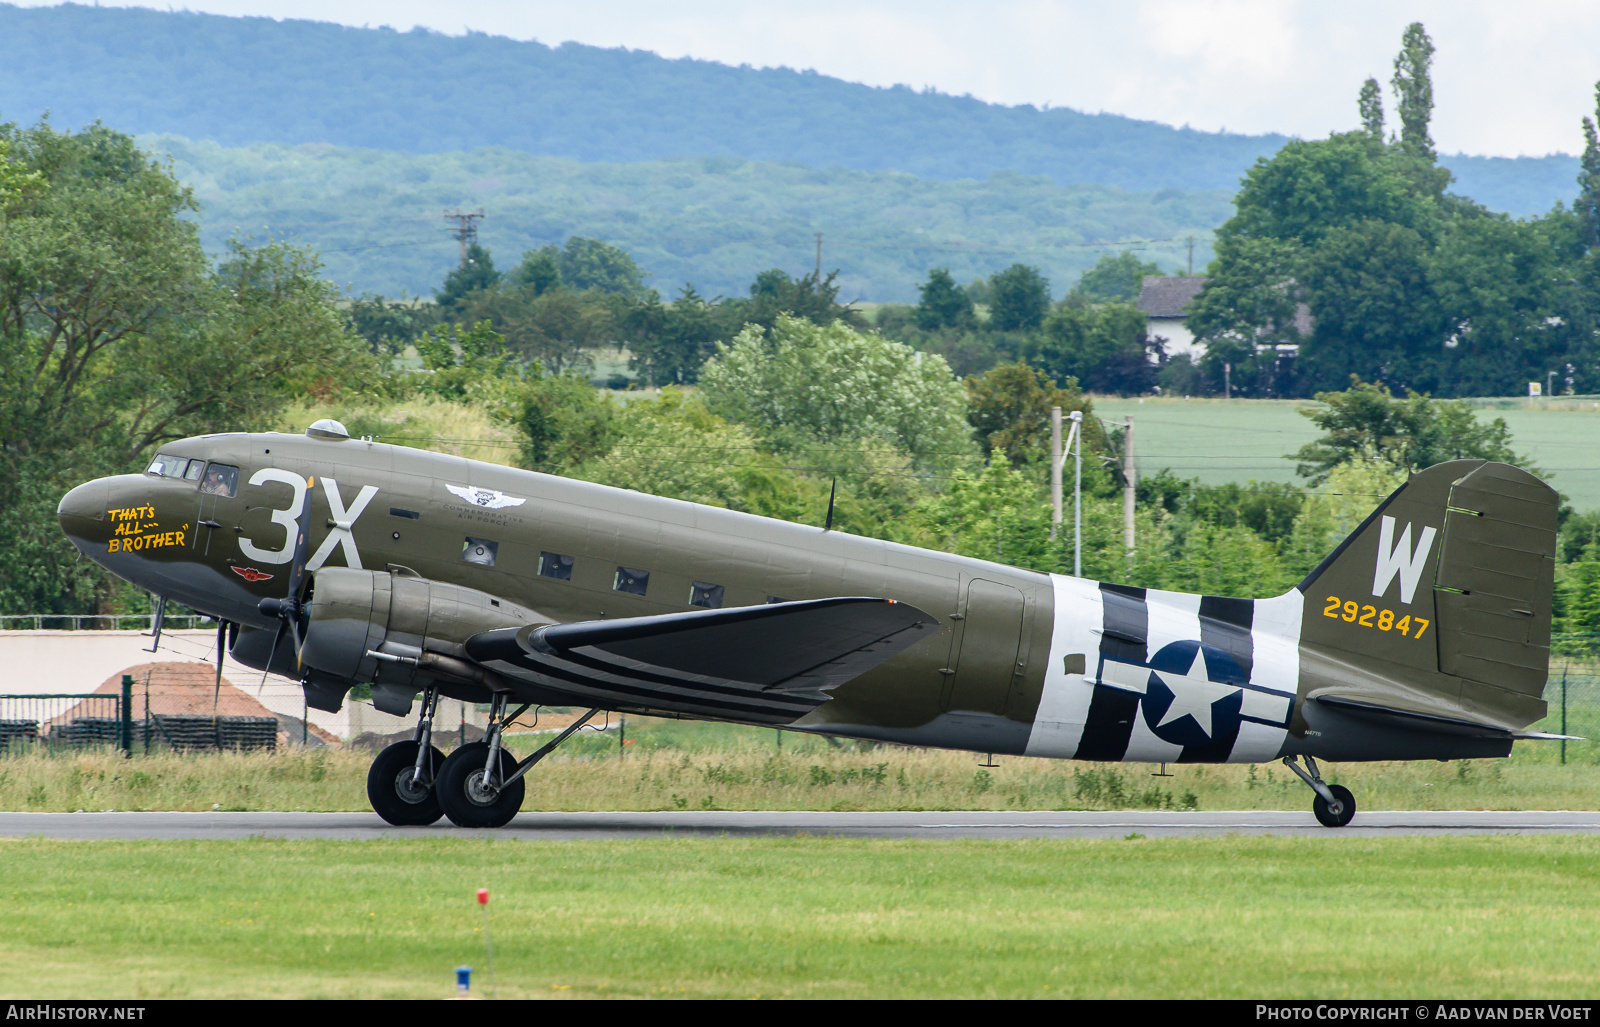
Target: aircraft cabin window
(554, 565)
(168, 466)
(221, 480)
(480, 551)
(631, 580)
(702, 594)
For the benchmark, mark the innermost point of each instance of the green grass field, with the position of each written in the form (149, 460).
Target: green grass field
(1335, 917)
(1240, 440)
(1329, 916)
(692, 765)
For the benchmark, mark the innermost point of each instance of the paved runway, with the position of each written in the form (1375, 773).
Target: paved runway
(966, 824)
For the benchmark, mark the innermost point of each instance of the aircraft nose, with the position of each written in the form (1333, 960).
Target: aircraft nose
(83, 510)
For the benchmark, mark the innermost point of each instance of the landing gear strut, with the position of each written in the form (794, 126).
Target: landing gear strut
(480, 785)
(1334, 806)
(400, 784)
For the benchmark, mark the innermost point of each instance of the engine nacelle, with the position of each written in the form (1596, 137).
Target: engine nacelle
(396, 630)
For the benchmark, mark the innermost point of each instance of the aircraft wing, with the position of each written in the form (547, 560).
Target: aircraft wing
(774, 663)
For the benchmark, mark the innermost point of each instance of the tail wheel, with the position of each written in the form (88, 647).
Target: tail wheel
(1337, 813)
(469, 800)
(391, 790)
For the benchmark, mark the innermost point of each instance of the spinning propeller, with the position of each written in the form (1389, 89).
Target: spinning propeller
(290, 610)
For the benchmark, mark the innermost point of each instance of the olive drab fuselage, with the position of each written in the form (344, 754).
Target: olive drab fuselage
(1347, 666)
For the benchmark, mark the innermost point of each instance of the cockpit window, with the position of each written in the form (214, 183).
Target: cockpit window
(221, 480)
(195, 467)
(168, 466)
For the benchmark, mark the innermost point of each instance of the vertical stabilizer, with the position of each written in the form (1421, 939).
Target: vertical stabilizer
(1440, 602)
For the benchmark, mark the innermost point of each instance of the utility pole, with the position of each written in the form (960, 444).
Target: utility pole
(819, 258)
(1130, 482)
(1077, 496)
(1227, 381)
(1057, 460)
(1191, 256)
(466, 230)
(1055, 471)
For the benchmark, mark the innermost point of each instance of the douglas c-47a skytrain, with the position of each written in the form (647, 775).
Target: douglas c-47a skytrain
(340, 562)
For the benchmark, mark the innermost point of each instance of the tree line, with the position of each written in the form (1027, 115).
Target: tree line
(1405, 283)
(118, 335)
(561, 306)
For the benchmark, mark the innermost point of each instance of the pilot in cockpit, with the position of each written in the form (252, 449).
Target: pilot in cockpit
(220, 480)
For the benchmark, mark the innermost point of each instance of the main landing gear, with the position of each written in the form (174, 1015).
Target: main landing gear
(1334, 806)
(478, 785)
(400, 784)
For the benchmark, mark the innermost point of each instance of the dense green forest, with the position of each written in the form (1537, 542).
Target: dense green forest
(239, 81)
(375, 216)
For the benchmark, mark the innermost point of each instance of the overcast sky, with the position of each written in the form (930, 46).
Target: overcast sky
(1510, 78)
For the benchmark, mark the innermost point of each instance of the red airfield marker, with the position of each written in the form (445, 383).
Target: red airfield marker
(483, 900)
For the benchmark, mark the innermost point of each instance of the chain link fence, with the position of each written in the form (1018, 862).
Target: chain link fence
(62, 721)
(70, 721)
(1573, 694)
(145, 622)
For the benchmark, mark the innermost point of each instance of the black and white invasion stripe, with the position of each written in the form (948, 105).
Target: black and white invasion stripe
(1243, 660)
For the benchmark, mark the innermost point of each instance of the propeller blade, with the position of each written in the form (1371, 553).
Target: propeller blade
(271, 654)
(288, 609)
(294, 628)
(302, 542)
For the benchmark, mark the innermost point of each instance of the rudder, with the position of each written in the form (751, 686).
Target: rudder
(1496, 578)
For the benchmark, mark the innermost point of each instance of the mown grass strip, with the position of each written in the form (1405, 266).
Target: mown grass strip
(1507, 916)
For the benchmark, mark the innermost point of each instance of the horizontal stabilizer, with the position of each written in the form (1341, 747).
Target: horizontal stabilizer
(772, 662)
(1413, 721)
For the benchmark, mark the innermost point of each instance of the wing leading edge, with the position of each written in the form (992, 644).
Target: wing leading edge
(771, 664)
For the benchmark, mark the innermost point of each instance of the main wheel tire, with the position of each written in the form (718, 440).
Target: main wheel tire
(391, 793)
(1339, 812)
(462, 793)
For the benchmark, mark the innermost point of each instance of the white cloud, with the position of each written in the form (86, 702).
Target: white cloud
(1227, 37)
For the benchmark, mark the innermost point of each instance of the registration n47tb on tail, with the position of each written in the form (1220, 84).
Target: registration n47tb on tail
(338, 561)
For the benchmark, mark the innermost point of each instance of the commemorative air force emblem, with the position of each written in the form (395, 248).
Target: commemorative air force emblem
(489, 499)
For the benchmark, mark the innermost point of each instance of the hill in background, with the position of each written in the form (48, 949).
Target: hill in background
(715, 221)
(239, 81)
